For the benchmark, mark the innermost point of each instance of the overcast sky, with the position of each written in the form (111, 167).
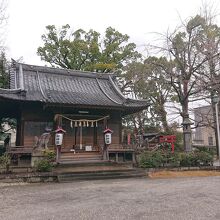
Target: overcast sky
(137, 18)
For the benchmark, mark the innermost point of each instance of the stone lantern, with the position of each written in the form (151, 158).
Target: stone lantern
(187, 133)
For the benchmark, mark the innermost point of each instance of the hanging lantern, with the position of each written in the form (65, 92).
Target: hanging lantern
(87, 123)
(92, 124)
(71, 124)
(80, 124)
(84, 123)
(96, 124)
(75, 124)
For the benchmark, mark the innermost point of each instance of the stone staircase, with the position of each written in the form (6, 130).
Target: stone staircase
(96, 170)
(89, 165)
(80, 157)
(100, 175)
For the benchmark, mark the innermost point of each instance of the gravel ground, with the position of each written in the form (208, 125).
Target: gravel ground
(153, 199)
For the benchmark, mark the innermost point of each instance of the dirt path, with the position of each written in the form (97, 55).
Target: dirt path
(186, 198)
(173, 174)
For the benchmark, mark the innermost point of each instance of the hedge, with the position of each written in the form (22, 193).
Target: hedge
(161, 158)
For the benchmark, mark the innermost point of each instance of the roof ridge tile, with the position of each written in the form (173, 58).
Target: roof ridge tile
(58, 71)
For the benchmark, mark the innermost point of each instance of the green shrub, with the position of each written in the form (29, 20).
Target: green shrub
(204, 158)
(188, 160)
(200, 158)
(203, 149)
(173, 159)
(208, 149)
(43, 166)
(49, 155)
(179, 141)
(151, 159)
(165, 158)
(159, 158)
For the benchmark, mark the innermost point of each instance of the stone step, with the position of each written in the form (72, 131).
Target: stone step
(79, 153)
(81, 159)
(79, 163)
(81, 156)
(93, 166)
(112, 174)
(81, 171)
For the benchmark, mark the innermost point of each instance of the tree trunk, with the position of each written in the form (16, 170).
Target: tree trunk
(165, 125)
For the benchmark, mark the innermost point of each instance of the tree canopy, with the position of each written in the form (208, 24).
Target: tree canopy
(148, 81)
(4, 76)
(81, 50)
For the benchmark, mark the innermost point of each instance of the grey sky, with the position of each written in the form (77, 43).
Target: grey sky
(137, 18)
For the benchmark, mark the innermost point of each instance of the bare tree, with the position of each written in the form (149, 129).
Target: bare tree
(189, 60)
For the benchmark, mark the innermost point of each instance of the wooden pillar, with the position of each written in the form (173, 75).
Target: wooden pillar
(75, 133)
(57, 123)
(133, 158)
(120, 130)
(128, 139)
(94, 136)
(105, 151)
(55, 126)
(116, 157)
(81, 139)
(20, 132)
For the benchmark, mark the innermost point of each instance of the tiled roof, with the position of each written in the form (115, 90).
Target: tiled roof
(62, 86)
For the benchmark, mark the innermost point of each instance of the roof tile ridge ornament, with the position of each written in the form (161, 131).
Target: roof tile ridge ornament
(13, 75)
(18, 89)
(40, 86)
(21, 80)
(119, 103)
(21, 77)
(63, 71)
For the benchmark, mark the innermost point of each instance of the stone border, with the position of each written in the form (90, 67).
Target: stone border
(29, 178)
(216, 168)
(45, 177)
